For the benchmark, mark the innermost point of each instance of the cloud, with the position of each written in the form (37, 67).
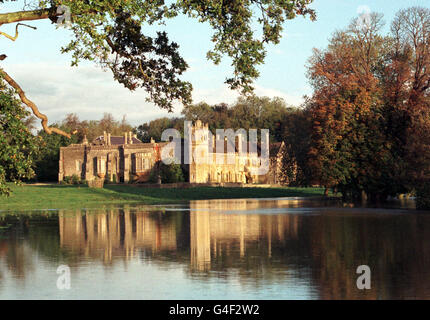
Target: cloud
(90, 92)
(224, 94)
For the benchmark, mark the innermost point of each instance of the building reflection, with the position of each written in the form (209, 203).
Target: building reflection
(215, 229)
(117, 233)
(215, 233)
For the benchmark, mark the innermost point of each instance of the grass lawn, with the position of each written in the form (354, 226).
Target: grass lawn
(27, 197)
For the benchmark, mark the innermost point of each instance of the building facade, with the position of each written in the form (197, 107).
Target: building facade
(114, 158)
(234, 163)
(125, 158)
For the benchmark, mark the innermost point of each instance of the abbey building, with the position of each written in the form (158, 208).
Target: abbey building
(124, 159)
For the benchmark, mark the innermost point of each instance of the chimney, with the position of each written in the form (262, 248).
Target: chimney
(125, 138)
(130, 137)
(85, 141)
(152, 140)
(108, 139)
(104, 138)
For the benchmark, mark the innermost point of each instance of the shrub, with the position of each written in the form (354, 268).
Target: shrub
(75, 179)
(170, 173)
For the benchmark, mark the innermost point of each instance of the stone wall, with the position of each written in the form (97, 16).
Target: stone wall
(72, 162)
(119, 163)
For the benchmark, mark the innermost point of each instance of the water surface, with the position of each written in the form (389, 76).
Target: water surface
(217, 249)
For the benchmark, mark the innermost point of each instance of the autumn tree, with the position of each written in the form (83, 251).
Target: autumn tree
(349, 148)
(370, 108)
(408, 87)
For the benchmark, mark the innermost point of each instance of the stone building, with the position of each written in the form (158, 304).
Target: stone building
(237, 169)
(114, 158)
(125, 158)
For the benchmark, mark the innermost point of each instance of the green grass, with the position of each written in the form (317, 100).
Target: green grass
(28, 197)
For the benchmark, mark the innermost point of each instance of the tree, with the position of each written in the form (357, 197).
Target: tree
(409, 77)
(154, 129)
(248, 112)
(168, 173)
(370, 109)
(296, 129)
(30, 122)
(350, 148)
(18, 146)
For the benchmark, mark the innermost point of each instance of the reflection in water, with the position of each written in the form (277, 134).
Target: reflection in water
(115, 233)
(220, 249)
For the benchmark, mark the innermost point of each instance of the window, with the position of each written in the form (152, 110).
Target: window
(102, 166)
(138, 159)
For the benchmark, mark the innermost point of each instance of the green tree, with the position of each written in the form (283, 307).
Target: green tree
(169, 173)
(154, 129)
(18, 146)
(296, 128)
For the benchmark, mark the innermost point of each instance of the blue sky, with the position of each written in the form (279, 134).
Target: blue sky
(46, 76)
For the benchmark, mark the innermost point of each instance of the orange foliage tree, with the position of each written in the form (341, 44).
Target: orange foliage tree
(370, 107)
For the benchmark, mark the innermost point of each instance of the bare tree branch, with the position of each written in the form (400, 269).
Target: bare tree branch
(16, 31)
(32, 106)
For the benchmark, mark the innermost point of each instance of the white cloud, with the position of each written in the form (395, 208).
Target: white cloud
(295, 100)
(88, 91)
(224, 94)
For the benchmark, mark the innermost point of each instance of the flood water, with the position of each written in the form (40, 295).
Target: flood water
(218, 249)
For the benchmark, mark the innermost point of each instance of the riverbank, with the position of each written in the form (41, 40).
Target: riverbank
(53, 196)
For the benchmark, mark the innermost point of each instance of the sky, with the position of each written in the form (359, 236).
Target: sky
(35, 62)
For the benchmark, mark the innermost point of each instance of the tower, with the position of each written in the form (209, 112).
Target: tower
(200, 164)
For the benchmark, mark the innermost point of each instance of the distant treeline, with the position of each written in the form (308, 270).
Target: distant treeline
(285, 123)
